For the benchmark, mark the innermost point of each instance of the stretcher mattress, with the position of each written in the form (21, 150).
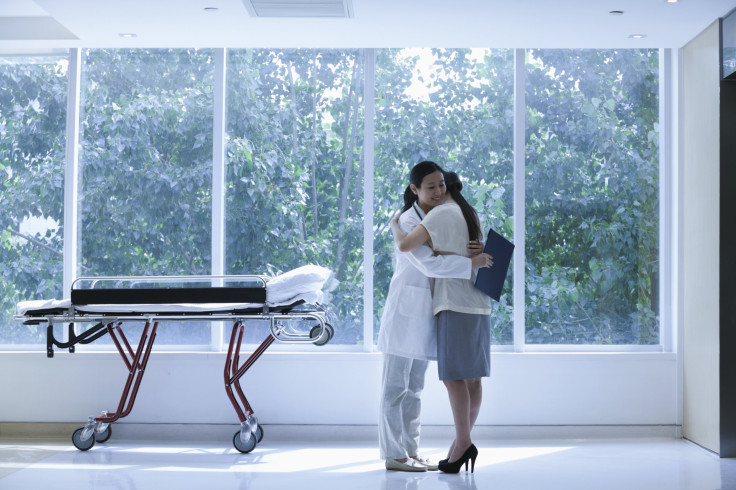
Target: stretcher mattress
(55, 306)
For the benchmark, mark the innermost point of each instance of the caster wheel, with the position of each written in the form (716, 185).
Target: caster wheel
(104, 435)
(244, 447)
(329, 332)
(259, 434)
(79, 443)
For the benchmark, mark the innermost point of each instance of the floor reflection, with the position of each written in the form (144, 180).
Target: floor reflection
(667, 464)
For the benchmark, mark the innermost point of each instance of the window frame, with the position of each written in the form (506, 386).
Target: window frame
(667, 213)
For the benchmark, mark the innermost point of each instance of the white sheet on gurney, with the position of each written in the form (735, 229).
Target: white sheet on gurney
(301, 284)
(24, 307)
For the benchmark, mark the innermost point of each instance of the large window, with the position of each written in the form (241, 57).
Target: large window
(33, 99)
(294, 171)
(592, 207)
(454, 107)
(146, 168)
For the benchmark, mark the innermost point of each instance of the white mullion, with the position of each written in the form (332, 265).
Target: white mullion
(519, 200)
(676, 286)
(368, 164)
(665, 197)
(71, 175)
(218, 182)
(71, 170)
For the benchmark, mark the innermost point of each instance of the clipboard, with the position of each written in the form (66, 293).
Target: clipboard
(490, 280)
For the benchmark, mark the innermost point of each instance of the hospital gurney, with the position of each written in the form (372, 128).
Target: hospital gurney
(291, 303)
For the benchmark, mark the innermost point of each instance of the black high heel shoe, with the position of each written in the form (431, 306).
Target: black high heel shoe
(469, 455)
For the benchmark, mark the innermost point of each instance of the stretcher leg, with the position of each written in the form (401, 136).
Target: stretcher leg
(98, 428)
(250, 432)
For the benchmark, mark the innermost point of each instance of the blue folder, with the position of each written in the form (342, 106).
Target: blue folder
(490, 279)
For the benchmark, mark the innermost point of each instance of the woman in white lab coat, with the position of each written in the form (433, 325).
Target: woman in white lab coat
(408, 334)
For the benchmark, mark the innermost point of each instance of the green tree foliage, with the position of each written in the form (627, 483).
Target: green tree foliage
(33, 96)
(592, 197)
(146, 168)
(146, 162)
(454, 107)
(294, 170)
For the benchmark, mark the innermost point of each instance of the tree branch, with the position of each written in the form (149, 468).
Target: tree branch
(35, 241)
(39, 243)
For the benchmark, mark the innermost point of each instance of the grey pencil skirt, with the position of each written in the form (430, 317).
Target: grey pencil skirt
(463, 345)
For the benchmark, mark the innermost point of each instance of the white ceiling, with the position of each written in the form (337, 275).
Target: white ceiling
(27, 25)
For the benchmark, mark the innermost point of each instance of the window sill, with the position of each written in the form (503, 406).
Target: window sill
(346, 356)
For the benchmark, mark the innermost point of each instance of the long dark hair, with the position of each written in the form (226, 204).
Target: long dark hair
(454, 186)
(417, 174)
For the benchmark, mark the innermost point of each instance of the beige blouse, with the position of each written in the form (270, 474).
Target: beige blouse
(449, 235)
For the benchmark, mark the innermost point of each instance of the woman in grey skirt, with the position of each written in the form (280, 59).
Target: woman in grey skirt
(463, 317)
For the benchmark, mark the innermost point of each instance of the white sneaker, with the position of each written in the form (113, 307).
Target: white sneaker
(409, 465)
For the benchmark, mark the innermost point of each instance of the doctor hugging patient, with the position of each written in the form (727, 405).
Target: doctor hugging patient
(408, 335)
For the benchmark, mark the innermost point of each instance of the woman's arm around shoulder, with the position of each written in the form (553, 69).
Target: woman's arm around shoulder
(408, 242)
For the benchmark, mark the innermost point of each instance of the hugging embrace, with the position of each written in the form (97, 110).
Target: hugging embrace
(433, 312)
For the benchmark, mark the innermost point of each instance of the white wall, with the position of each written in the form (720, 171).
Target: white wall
(339, 388)
(699, 198)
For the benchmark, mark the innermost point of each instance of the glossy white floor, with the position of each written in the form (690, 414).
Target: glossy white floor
(606, 463)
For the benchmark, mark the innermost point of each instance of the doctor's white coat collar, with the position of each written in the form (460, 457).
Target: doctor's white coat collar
(419, 210)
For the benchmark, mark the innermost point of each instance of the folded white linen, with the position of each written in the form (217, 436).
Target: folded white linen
(305, 279)
(41, 304)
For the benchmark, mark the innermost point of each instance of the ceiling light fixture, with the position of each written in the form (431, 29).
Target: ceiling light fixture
(671, 1)
(211, 9)
(128, 35)
(638, 36)
(616, 12)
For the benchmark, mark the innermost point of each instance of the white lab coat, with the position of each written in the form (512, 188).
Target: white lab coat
(407, 323)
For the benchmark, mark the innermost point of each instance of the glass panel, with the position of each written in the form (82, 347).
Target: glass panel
(454, 107)
(592, 197)
(294, 170)
(146, 168)
(33, 99)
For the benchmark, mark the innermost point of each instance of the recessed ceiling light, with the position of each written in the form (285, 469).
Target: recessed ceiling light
(638, 36)
(128, 35)
(616, 12)
(671, 1)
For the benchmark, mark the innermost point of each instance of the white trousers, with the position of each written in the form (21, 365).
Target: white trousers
(401, 404)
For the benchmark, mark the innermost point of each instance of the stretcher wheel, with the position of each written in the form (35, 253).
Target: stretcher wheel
(329, 332)
(259, 433)
(79, 443)
(104, 435)
(245, 447)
